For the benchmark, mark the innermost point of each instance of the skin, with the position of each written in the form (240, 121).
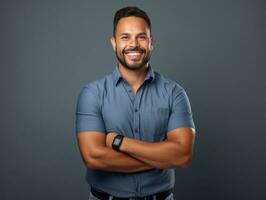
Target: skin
(133, 45)
(133, 33)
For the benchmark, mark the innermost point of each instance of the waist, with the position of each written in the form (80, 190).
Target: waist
(147, 181)
(105, 196)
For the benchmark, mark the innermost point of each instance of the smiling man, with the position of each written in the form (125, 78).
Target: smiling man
(134, 126)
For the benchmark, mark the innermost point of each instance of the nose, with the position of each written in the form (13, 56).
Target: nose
(133, 42)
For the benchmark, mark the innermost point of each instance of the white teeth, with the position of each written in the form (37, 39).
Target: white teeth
(134, 53)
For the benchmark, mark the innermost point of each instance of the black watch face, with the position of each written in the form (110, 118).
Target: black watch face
(116, 142)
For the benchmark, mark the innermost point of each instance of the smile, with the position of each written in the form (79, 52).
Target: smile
(134, 55)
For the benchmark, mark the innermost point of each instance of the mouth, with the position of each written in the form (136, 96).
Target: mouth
(134, 55)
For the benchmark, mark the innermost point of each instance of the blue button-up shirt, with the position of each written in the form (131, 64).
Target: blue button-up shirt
(109, 104)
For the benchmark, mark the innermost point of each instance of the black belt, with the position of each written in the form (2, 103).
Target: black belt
(105, 196)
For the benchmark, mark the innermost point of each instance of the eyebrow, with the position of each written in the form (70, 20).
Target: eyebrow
(143, 33)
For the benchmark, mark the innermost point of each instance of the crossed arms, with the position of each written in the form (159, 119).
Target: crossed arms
(175, 151)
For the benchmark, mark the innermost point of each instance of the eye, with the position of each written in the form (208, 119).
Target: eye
(124, 37)
(142, 37)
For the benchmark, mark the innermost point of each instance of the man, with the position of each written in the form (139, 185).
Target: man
(133, 126)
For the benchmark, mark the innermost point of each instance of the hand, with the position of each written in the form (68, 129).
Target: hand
(109, 138)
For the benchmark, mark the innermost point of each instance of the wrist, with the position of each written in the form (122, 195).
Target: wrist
(117, 142)
(123, 145)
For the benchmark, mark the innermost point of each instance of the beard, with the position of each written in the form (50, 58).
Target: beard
(135, 66)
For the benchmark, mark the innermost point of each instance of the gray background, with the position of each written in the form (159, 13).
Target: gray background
(50, 49)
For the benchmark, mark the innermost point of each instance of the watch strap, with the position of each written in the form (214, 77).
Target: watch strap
(117, 141)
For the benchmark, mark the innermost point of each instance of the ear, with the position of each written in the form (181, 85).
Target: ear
(113, 42)
(152, 41)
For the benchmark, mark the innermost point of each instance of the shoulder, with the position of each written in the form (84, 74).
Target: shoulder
(93, 90)
(91, 93)
(171, 86)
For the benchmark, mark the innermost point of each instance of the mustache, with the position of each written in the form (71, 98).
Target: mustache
(141, 50)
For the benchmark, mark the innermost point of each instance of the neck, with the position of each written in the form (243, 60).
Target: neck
(134, 77)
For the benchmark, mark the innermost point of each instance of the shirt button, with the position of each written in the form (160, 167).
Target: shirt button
(136, 130)
(136, 110)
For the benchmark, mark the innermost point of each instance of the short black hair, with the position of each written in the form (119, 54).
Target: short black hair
(128, 12)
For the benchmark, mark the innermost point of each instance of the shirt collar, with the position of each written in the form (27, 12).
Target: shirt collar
(117, 75)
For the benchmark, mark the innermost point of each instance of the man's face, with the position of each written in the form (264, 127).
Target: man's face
(132, 43)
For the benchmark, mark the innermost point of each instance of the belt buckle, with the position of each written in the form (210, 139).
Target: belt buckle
(138, 198)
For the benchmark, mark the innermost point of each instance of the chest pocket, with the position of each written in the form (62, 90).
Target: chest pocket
(153, 123)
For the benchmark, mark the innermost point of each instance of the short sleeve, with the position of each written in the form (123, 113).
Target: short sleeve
(88, 115)
(180, 114)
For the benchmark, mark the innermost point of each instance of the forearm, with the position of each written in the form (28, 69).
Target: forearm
(165, 154)
(110, 160)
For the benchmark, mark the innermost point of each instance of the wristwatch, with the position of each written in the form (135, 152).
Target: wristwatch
(117, 142)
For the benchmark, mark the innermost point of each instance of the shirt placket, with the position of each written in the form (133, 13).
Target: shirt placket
(128, 91)
(136, 100)
(136, 106)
